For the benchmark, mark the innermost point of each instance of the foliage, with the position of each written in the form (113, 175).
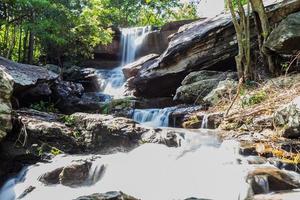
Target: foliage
(69, 120)
(55, 31)
(252, 99)
(44, 107)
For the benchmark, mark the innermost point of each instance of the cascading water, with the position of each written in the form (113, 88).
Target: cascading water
(152, 117)
(113, 80)
(202, 167)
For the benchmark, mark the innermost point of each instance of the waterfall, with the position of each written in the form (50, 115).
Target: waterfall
(152, 117)
(204, 121)
(112, 81)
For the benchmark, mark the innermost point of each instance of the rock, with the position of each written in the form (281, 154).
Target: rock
(45, 129)
(205, 44)
(75, 174)
(284, 38)
(53, 68)
(168, 137)
(87, 77)
(161, 102)
(225, 89)
(181, 113)
(26, 192)
(197, 85)
(107, 196)
(256, 160)
(267, 179)
(263, 122)
(25, 76)
(132, 69)
(6, 88)
(203, 120)
(288, 117)
(51, 178)
(102, 132)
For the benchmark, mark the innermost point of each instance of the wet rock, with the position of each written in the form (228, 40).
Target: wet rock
(75, 174)
(107, 196)
(105, 131)
(284, 38)
(52, 177)
(181, 113)
(288, 117)
(26, 192)
(45, 129)
(6, 88)
(197, 85)
(168, 137)
(225, 89)
(132, 69)
(203, 120)
(161, 102)
(256, 160)
(204, 44)
(248, 149)
(266, 179)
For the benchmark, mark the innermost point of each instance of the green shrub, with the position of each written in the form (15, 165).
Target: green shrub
(255, 98)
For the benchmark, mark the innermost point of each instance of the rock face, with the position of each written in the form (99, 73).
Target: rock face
(108, 196)
(207, 44)
(285, 38)
(288, 117)
(197, 85)
(6, 88)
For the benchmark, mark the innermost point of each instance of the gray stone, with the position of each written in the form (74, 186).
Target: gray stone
(288, 117)
(198, 85)
(285, 38)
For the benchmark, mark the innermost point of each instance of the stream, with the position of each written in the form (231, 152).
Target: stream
(202, 167)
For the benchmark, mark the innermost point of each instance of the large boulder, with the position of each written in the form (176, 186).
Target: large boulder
(288, 118)
(197, 85)
(25, 76)
(205, 44)
(6, 88)
(285, 38)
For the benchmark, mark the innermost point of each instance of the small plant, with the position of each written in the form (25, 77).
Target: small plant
(44, 107)
(55, 151)
(255, 98)
(69, 120)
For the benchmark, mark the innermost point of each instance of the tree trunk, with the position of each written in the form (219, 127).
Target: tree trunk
(20, 44)
(25, 47)
(12, 44)
(30, 48)
(263, 27)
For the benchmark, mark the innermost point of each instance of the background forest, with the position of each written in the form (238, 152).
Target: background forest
(52, 31)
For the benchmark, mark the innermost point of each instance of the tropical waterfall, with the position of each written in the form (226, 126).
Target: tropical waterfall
(112, 81)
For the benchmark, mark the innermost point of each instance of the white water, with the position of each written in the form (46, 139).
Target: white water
(201, 167)
(204, 123)
(152, 117)
(113, 80)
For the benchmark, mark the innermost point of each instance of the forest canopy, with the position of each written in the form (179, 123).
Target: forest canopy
(33, 31)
